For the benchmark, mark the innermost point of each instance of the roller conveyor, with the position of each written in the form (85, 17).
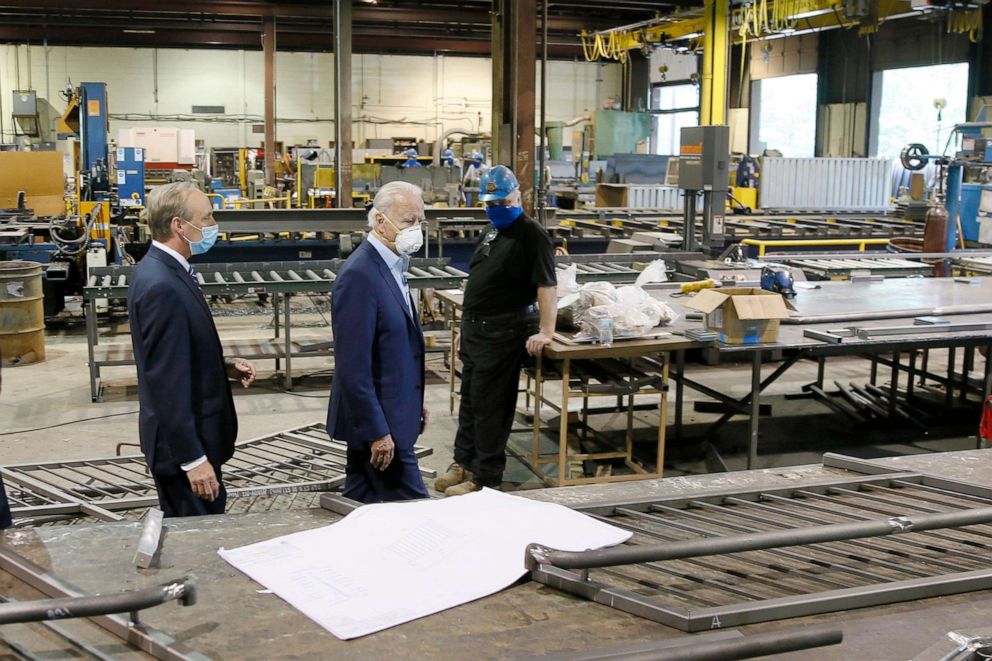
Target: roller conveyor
(271, 277)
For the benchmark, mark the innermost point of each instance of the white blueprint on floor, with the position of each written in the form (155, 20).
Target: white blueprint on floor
(383, 565)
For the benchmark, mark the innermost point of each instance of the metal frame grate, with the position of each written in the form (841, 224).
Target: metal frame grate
(705, 591)
(301, 459)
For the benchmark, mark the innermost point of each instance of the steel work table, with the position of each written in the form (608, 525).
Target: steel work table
(232, 619)
(280, 279)
(887, 304)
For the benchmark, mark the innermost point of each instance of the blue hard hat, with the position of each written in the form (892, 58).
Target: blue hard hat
(412, 153)
(496, 183)
(449, 153)
(477, 156)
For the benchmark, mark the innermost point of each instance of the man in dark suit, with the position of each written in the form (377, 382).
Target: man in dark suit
(187, 423)
(377, 399)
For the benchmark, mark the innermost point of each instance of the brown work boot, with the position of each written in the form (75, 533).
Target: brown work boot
(461, 489)
(455, 475)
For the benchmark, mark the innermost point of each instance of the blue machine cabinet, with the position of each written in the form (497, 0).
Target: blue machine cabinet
(131, 176)
(93, 124)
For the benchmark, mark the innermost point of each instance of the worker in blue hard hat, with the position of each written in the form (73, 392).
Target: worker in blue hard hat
(411, 159)
(512, 268)
(474, 169)
(448, 157)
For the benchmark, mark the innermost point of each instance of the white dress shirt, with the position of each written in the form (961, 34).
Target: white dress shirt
(398, 266)
(185, 264)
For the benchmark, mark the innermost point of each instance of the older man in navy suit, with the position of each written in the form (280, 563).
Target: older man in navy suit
(187, 423)
(377, 399)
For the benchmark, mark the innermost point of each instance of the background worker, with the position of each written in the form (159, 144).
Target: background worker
(474, 169)
(513, 266)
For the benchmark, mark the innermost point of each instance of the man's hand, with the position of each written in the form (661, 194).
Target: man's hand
(537, 342)
(239, 369)
(425, 418)
(204, 482)
(382, 452)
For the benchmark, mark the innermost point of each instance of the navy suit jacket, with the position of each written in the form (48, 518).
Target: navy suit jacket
(185, 396)
(378, 386)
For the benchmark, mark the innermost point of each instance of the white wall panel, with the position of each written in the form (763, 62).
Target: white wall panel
(393, 95)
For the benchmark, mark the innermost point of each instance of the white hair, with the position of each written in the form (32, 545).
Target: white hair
(391, 196)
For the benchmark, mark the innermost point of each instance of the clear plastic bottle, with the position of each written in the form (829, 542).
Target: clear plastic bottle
(606, 331)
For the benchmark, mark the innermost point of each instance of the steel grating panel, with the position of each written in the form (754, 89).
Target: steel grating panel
(850, 184)
(301, 459)
(705, 590)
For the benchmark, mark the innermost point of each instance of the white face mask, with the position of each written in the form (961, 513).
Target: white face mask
(407, 241)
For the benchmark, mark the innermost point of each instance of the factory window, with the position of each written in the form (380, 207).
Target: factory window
(786, 115)
(919, 104)
(674, 106)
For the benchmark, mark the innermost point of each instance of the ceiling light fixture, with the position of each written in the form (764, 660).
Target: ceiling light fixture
(128, 31)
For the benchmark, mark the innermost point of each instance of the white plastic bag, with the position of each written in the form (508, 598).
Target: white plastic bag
(655, 272)
(568, 281)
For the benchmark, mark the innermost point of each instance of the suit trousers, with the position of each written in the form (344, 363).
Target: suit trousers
(492, 351)
(176, 497)
(400, 481)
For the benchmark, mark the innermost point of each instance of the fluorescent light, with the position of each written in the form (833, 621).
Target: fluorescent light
(692, 35)
(138, 31)
(810, 14)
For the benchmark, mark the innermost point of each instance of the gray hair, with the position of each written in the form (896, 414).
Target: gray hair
(165, 203)
(391, 196)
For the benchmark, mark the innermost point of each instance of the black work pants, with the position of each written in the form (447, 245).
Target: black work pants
(492, 351)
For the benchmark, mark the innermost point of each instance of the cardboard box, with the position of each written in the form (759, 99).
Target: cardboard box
(741, 316)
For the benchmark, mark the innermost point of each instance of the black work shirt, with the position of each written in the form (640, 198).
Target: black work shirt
(507, 268)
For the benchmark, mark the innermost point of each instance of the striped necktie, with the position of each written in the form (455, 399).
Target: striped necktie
(192, 274)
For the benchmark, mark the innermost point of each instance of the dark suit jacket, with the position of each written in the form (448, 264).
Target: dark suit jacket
(186, 405)
(378, 384)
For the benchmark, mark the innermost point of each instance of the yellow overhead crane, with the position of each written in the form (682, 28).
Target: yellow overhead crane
(716, 27)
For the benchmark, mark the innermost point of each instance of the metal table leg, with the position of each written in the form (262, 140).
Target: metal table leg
(275, 314)
(679, 391)
(752, 421)
(92, 339)
(949, 385)
(535, 452)
(986, 385)
(563, 423)
(286, 298)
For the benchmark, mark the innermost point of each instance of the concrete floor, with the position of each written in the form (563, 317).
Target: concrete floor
(56, 392)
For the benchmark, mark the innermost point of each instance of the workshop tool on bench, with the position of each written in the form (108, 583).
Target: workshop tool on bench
(778, 279)
(687, 288)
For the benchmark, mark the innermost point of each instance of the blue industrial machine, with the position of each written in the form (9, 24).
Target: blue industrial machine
(130, 164)
(94, 124)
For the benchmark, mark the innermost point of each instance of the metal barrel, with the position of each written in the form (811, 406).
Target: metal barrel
(22, 314)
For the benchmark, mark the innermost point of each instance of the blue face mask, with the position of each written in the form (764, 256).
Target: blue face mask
(207, 240)
(503, 216)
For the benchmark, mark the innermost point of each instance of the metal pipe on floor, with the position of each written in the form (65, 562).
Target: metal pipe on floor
(762, 644)
(537, 555)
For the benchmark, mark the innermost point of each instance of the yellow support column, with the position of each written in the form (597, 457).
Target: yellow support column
(713, 101)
